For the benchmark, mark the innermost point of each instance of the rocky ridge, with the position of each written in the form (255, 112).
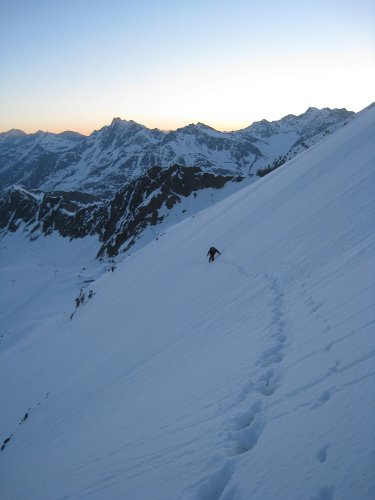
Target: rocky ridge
(117, 222)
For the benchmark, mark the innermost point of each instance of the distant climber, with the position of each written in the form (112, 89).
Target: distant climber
(80, 299)
(212, 252)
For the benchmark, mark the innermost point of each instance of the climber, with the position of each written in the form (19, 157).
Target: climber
(212, 252)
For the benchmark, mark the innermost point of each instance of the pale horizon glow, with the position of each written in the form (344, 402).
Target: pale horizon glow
(77, 64)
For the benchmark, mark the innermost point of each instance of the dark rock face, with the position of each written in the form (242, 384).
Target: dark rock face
(137, 205)
(118, 222)
(17, 206)
(67, 213)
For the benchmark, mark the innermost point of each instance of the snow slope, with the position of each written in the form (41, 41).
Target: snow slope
(249, 378)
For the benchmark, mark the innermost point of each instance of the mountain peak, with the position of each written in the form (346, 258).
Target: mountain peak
(14, 132)
(70, 134)
(194, 128)
(312, 109)
(117, 120)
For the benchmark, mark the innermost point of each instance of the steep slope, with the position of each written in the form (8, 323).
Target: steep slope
(124, 150)
(251, 377)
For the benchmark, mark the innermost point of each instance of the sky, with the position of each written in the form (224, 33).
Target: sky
(77, 64)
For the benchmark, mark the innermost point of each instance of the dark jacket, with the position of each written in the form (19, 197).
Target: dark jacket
(212, 251)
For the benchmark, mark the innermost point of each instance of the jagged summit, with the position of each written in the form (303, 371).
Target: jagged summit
(312, 109)
(116, 122)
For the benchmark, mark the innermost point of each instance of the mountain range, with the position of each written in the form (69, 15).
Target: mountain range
(125, 178)
(107, 159)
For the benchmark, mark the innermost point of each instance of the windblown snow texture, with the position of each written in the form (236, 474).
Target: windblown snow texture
(251, 377)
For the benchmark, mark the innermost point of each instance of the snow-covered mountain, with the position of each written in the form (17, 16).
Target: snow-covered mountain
(249, 378)
(160, 198)
(32, 157)
(103, 162)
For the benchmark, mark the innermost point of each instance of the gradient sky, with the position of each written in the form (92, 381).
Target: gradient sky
(76, 64)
